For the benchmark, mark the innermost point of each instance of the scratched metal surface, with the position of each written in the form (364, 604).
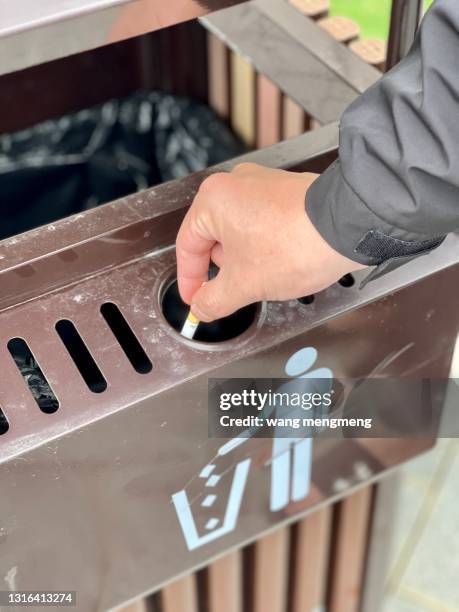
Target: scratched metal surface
(93, 508)
(136, 288)
(88, 492)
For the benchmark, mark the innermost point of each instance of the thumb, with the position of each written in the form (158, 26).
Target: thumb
(217, 298)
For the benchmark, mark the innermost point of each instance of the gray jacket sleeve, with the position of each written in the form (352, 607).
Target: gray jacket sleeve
(393, 193)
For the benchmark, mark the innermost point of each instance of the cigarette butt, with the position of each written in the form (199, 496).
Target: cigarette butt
(190, 326)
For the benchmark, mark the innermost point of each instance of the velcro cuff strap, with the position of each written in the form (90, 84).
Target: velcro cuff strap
(381, 247)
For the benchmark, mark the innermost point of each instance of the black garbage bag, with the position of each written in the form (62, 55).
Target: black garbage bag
(83, 159)
(38, 385)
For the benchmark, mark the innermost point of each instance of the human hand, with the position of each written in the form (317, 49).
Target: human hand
(252, 224)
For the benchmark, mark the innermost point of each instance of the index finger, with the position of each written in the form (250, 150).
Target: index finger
(193, 249)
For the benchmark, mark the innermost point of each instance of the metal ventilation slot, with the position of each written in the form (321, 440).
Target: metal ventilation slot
(4, 425)
(306, 299)
(81, 356)
(126, 337)
(33, 376)
(347, 280)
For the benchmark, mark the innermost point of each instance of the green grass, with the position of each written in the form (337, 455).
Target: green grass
(372, 15)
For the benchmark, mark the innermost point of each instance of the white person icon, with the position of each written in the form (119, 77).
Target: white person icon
(290, 462)
(291, 457)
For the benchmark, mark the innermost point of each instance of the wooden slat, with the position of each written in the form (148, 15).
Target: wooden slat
(294, 119)
(218, 75)
(140, 605)
(341, 29)
(292, 51)
(350, 551)
(269, 100)
(225, 583)
(312, 8)
(380, 542)
(314, 124)
(373, 51)
(271, 572)
(311, 561)
(181, 595)
(243, 99)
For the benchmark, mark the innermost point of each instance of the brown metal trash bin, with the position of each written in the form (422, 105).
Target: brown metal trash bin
(119, 493)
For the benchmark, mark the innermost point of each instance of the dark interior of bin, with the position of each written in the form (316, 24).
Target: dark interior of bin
(172, 61)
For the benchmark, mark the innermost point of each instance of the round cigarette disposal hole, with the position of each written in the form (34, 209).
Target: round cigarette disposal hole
(175, 312)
